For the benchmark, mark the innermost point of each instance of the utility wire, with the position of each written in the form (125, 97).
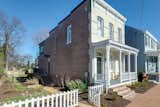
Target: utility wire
(141, 13)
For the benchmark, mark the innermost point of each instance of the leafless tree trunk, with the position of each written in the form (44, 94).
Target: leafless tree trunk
(10, 31)
(6, 50)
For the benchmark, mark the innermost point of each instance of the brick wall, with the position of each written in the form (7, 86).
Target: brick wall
(69, 61)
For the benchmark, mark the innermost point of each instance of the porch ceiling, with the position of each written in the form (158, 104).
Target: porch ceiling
(116, 45)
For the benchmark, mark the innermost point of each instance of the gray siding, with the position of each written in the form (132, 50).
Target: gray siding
(135, 38)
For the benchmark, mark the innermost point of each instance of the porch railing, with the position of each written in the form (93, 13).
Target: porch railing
(133, 76)
(100, 76)
(125, 76)
(129, 76)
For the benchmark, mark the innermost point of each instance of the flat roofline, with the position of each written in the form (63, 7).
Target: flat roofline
(153, 37)
(68, 15)
(111, 9)
(145, 32)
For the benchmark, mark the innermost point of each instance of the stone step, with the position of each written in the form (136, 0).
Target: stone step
(119, 88)
(124, 92)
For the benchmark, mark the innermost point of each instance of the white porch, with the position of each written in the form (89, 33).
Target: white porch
(152, 64)
(113, 63)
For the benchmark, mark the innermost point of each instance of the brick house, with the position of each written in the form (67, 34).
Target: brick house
(89, 44)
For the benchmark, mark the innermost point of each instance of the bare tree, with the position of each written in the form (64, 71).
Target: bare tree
(11, 31)
(40, 36)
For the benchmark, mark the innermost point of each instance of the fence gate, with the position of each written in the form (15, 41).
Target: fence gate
(94, 94)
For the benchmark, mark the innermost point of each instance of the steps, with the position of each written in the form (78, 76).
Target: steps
(124, 92)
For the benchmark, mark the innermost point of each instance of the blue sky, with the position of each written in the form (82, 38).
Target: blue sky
(37, 15)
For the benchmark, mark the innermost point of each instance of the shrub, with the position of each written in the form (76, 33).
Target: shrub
(144, 83)
(81, 85)
(140, 76)
(77, 84)
(72, 85)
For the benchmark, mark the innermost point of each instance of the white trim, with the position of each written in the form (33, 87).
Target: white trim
(152, 53)
(111, 9)
(147, 33)
(107, 65)
(120, 65)
(116, 44)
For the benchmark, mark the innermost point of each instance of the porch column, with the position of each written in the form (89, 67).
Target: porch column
(94, 65)
(107, 66)
(129, 66)
(120, 65)
(136, 65)
(158, 68)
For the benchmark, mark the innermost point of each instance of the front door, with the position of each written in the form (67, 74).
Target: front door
(100, 65)
(114, 69)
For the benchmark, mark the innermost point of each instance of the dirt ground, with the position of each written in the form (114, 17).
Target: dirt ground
(106, 101)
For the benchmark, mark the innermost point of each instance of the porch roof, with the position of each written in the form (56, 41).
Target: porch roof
(152, 53)
(111, 43)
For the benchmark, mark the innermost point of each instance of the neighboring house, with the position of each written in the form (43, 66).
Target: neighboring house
(149, 55)
(89, 44)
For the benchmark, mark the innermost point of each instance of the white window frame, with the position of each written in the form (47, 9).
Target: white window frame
(111, 31)
(100, 26)
(69, 34)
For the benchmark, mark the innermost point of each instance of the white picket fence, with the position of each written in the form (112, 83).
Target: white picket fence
(65, 99)
(94, 93)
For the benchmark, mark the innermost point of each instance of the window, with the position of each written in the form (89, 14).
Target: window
(41, 49)
(119, 35)
(69, 34)
(145, 40)
(111, 31)
(152, 44)
(148, 42)
(100, 26)
(99, 65)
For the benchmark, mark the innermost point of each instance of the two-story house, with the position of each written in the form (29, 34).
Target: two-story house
(149, 54)
(89, 44)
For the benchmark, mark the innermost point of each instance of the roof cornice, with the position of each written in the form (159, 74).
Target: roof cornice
(111, 9)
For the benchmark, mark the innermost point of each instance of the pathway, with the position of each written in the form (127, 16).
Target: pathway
(149, 99)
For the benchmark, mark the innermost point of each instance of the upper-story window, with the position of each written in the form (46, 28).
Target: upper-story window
(100, 26)
(149, 42)
(145, 40)
(69, 34)
(111, 31)
(119, 35)
(152, 44)
(41, 49)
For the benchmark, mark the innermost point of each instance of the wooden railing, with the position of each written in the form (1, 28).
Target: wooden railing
(133, 76)
(129, 76)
